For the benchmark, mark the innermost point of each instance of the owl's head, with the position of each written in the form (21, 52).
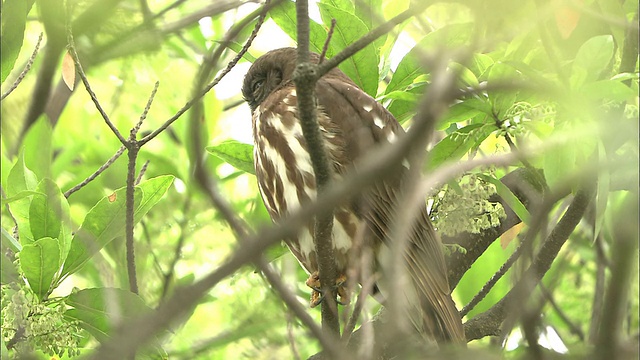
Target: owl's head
(273, 71)
(268, 73)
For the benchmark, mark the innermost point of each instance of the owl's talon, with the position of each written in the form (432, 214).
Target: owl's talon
(316, 290)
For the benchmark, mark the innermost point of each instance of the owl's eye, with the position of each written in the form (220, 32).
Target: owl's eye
(257, 85)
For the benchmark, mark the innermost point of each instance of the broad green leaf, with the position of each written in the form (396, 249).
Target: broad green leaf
(235, 153)
(480, 272)
(101, 310)
(403, 109)
(502, 100)
(8, 241)
(505, 193)
(362, 67)
(457, 113)
(592, 58)
(479, 65)
(457, 144)
(49, 216)
(21, 195)
(607, 89)
(410, 66)
(465, 75)
(9, 272)
(37, 147)
(14, 18)
(21, 179)
(40, 261)
(284, 15)
(346, 5)
(557, 165)
(370, 11)
(106, 220)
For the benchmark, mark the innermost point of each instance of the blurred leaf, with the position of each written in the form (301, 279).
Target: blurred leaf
(14, 18)
(40, 261)
(507, 237)
(49, 216)
(502, 100)
(37, 147)
(237, 154)
(566, 19)
(410, 67)
(106, 220)
(592, 59)
(101, 310)
(362, 67)
(505, 193)
(607, 89)
(457, 113)
(457, 144)
(284, 15)
(21, 195)
(9, 272)
(8, 241)
(346, 5)
(21, 179)
(68, 71)
(557, 165)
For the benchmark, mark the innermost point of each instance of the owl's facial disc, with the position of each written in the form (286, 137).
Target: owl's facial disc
(259, 85)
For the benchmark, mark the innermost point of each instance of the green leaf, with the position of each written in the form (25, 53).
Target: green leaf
(369, 12)
(410, 66)
(505, 193)
(21, 195)
(362, 67)
(502, 100)
(346, 5)
(37, 147)
(237, 154)
(101, 310)
(8, 241)
(459, 112)
(21, 179)
(9, 272)
(49, 216)
(458, 143)
(284, 15)
(607, 89)
(14, 18)
(106, 220)
(592, 58)
(40, 261)
(557, 165)
(403, 109)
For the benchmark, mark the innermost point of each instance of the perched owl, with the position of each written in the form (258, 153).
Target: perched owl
(351, 123)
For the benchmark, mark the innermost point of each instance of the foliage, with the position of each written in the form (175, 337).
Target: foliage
(555, 84)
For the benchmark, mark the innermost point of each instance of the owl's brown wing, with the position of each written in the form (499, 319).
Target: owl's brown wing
(364, 123)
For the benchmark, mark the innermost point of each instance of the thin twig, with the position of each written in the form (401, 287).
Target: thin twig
(326, 42)
(132, 152)
(96, 173)
(141, 173)
(231, 34)
(147, 107)
(26, 69)
(87, 86)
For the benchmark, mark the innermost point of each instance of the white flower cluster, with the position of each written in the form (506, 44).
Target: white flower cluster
(464, 207)
(29, 325)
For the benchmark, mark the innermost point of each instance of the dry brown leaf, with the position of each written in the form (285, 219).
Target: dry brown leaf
(510, 234)
(69, 71)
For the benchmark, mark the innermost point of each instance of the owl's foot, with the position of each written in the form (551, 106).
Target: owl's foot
(316, 290)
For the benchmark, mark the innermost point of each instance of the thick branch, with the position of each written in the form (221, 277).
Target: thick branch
(305, 80)
(489, 322)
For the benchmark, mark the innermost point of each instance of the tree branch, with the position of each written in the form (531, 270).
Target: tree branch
(489, 322)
